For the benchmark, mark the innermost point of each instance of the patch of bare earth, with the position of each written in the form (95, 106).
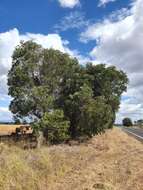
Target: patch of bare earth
(111, 161)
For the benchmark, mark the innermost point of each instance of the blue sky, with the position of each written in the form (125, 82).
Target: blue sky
(41, 17)
(91, 30)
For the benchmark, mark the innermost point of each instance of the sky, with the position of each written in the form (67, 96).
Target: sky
(100, 31)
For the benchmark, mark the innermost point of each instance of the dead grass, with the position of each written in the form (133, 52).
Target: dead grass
(112, 161)
(8, 129)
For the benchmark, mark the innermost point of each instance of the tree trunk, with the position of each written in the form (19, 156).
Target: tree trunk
(40, 139)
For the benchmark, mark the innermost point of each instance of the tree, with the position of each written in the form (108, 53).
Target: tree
(42, 81)
(139, 122)
(67, 99)
(127, 122)
(35, 77)
(107, 82)
(92, 116)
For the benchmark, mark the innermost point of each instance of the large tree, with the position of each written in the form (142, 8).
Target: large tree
(35, 77)
(44, 80)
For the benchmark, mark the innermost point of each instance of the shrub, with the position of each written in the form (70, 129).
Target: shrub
(54, 126)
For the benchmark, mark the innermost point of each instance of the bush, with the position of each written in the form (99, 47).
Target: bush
(54, 126)
(127, 122)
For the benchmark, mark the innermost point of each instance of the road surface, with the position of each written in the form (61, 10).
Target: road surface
(136, 132)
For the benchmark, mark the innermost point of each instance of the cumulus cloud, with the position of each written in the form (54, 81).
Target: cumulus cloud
(120, 42)
(130, 108)
(47, 41)
(8, 41)
(5, 114)
(69, 3)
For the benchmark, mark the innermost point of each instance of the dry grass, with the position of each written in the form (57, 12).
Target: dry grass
(9, 129)
(112, 161)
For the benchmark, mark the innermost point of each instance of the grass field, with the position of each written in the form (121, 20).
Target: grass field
(111, 161)
(8, 129)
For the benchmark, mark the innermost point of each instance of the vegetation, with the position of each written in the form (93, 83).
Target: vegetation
(54, 126)
(54, 92)
(127, 122)
(107, 162)
(6, 129)
(139, 122)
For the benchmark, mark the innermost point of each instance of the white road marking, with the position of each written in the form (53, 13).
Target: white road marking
(133, 134)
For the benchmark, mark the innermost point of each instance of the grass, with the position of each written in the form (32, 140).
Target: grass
(111, 161)
(8, 129)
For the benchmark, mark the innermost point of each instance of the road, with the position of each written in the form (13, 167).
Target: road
(136, 132)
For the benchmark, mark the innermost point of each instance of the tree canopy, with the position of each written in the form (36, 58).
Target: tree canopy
(127, 122)
(42, 81)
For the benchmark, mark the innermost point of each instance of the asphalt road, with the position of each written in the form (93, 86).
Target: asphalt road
(136, 132)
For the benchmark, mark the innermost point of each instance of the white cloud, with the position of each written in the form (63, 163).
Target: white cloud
(69, 3)
(47, 41)
(5, 114)
(75, 20)
(130, 108)
(8, 41)
(104, 2)
(120, 42)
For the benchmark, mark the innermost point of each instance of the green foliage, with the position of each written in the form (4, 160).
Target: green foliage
(96, 116)
(107, 82)
(92, 115)
(42, 81)
(139, 122)
(127, 122)
(54, 126)
(35, 77)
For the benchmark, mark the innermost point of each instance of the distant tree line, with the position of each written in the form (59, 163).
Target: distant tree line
(127, 122)
(60, 97)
